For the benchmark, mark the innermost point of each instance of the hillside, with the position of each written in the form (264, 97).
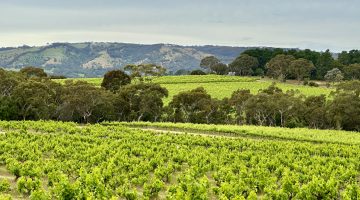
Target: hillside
(93, 59)
(57, 160)
(219, 86)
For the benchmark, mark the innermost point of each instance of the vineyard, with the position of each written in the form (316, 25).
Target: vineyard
(219, 86)
(56, 160)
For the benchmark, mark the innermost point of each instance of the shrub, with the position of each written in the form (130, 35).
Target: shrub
(4, 185)
(5, 197)
(26, 185)
(313, 84)
(306, 81)
(39, 195)
(153, 188)
(197, 72)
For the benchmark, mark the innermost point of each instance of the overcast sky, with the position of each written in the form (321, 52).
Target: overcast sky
(315, 24)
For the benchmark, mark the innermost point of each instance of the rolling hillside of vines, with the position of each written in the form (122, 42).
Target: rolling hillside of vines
(219, 86)
(58, 160)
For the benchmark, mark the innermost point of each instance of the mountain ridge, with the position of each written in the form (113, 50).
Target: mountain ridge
(93, 59)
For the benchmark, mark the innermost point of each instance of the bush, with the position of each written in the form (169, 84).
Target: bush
(39, 195)
(313, 84)
(152, 189)
(26, 185)
(5, 197)
(197, 72)
(57, 77)
(306, 81)
(4, 185)
(130, 194)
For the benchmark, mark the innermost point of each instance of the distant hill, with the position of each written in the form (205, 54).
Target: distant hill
(94, 59)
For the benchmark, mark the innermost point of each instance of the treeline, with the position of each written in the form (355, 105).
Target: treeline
(284, 64)
(30, 95)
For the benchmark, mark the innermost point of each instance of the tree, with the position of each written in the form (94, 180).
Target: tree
(85, 103)
(278, 67)
(315, 114)
(219, 68)
(190, 106)
(146, 70)
(264, 55)
(8, 108)
(344, 58)
(273, 107)
(197, 72)
(181, 72)
(114, 80)
(334, 75)
(8, 81)
(244, 65)
(344, 111)
(238, 100)
(35, 100)
(348, 58)
(352, 72)
(324, 64)
(140, 102)
(301, 68)
(33, 72)
(208, 62)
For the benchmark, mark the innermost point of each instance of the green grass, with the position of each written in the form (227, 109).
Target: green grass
(220, 86)
(94, 81)
(202, 79)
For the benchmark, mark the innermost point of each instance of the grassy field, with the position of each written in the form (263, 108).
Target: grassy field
(56, 160)
(221, 86)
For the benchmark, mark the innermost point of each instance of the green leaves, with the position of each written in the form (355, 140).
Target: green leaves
(55, 160)
(4, 185)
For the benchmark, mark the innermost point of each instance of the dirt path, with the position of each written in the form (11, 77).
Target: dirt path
(4, 173)
(229, 135)
(162, 130)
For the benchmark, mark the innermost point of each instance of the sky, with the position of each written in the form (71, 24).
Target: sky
(314, 24)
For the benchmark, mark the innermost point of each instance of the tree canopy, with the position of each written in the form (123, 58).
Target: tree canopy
(115, 79)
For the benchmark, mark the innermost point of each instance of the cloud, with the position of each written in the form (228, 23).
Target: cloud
(316, 24)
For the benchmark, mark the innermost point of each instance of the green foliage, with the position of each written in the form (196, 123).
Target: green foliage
(324, 63)
(114, 80)
(26, 185)
(4, 185)
(313, 84)
(153, 188)
(352, 72)
(220, 86)
(334, 75)
(208, 62)
(197, 72)
(192, 106)
(220, 68)
(145, 70)
(252, 196)
(83, 102)
(301, 68)
(40, 194)
(244, 65)
(33, 72)
(279, 66)
(348, 58)
(107, 161)
(5, 197)
(140, 102)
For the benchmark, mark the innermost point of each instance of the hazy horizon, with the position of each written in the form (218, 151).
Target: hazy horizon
(317, 25)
